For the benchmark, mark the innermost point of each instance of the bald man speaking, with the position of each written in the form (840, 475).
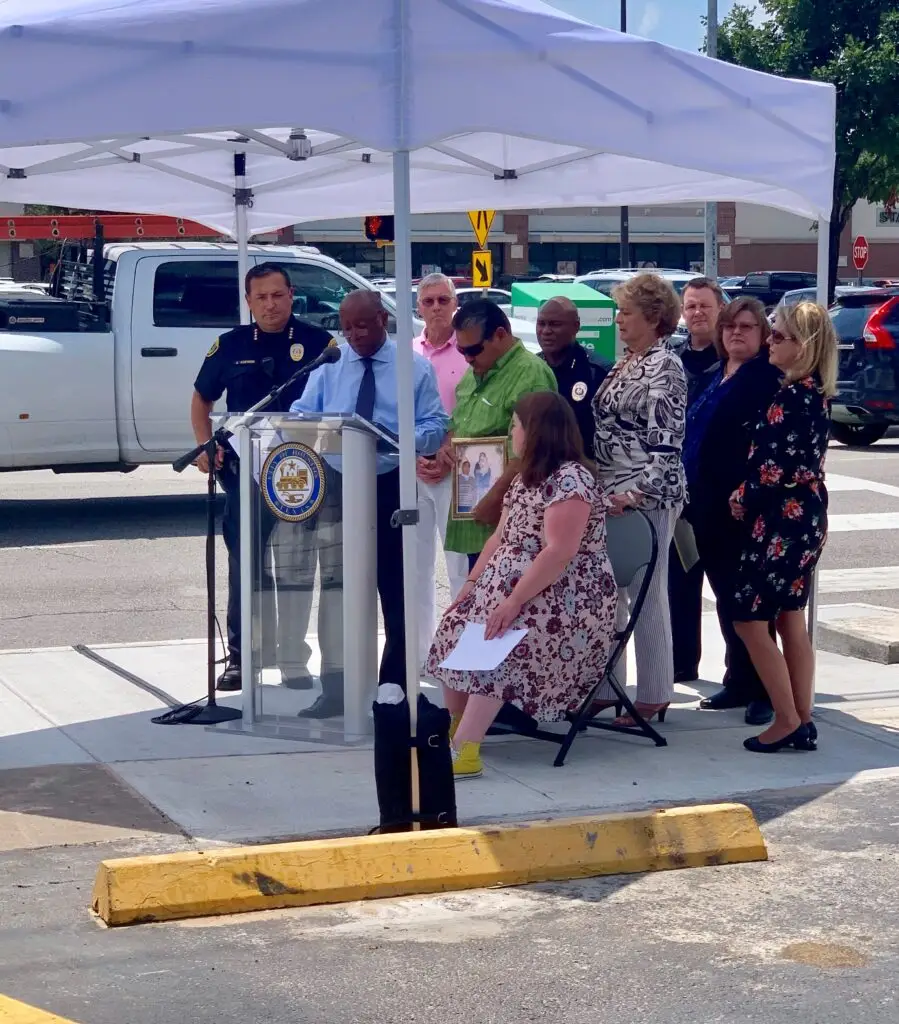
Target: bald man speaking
(578, 372)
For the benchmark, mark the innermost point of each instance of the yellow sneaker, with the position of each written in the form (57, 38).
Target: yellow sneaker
(454, 725)
(467, 762)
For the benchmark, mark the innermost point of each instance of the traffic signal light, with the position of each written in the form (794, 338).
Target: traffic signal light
(379, 229)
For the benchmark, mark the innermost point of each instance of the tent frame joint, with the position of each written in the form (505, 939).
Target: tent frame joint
(508, 174)
(243, 197)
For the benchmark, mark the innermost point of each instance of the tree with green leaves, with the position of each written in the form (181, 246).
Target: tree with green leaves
(853, 44)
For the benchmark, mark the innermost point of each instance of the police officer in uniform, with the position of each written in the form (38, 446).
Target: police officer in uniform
(244, 365)
(578, 372)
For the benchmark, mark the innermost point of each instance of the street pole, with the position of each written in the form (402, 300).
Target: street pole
(625, 251)
(711, 209)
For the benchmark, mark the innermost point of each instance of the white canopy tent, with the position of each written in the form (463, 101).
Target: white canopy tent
(422, 105)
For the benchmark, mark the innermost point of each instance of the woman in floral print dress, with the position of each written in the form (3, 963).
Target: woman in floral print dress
(545, 568)
(783, 507)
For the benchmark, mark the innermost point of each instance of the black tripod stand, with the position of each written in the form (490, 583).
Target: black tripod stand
(211, 712)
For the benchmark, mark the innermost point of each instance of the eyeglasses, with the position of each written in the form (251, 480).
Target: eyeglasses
(778, 336)
(472, 351)
(742, 325)
(435, 300)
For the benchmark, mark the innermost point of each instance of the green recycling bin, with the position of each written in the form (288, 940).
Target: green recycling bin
(597, 311)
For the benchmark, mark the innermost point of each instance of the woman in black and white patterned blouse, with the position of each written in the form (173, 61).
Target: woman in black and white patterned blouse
(640, 411)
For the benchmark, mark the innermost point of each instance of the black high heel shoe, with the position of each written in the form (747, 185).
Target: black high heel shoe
(812, 736)
(799, 739)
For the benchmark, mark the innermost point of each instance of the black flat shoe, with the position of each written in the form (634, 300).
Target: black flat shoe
(300, 683)
(812, 735)
(758, 712)
(688, 676)
(323, 706)
(723, 700)
(230, 679)
(799, 739)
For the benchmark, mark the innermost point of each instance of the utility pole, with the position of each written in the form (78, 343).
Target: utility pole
(625, 252)
(711, 209)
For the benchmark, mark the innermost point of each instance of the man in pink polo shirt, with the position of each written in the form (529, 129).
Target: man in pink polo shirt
(437, 343)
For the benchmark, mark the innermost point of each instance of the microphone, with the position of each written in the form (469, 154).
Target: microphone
(331, 354)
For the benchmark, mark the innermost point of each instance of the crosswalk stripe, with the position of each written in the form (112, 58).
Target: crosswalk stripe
(837, 482)
(863, 521)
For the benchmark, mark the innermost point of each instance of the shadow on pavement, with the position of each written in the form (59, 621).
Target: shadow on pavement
(70, 520)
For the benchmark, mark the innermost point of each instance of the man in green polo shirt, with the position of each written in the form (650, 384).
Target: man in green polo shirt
(501, 370)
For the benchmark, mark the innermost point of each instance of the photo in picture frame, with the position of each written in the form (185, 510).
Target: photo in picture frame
(478, 462)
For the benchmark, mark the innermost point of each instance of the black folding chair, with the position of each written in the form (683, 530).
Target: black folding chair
(633, 549)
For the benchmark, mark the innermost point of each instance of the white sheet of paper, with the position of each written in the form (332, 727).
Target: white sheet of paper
(473, 653)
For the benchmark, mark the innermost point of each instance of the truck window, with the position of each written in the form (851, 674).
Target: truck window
(196, 293)
(318, 292)
(758, 282)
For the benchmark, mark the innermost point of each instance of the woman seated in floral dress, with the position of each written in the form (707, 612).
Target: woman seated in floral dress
(782, 507)
(546, 569)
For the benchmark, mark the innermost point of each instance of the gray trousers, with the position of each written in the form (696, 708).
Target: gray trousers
(296, 551)
(652, 636)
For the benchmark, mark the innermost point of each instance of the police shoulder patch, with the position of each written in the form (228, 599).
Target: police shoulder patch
(332, 343)
(213, 348)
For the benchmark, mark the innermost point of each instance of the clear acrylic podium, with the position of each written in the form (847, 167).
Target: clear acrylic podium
(309, 613)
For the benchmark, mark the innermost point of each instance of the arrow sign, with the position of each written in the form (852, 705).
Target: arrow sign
(482, 268)
(481, 223)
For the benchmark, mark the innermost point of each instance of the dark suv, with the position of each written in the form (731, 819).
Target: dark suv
(769, 287)
(867, 402)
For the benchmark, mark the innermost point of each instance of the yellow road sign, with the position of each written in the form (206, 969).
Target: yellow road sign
(481, 223)
(482, 268)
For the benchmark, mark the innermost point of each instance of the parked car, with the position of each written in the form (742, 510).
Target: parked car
(606, 280)
(731, 282)
(769, 287)
(867, 403)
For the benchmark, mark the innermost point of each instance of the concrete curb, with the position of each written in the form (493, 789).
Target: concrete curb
(14, 1012)
(137, 890)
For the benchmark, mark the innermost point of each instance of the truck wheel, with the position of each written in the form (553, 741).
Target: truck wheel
(857, 434)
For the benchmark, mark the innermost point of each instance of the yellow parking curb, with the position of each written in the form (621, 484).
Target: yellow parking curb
(136, 890)
(14, 1012)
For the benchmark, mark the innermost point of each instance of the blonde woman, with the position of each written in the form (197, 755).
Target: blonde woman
(782, 505)
(640, 410)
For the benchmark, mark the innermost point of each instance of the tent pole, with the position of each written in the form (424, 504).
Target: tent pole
(242, 200)
(405, 386)
(823, 268)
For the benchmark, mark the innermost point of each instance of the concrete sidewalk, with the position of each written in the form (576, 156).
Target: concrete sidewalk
(80, 760)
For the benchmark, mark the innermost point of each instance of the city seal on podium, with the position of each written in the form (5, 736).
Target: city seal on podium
(293, 482)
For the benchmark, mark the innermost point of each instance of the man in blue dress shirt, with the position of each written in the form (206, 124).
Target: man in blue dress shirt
(364, 382)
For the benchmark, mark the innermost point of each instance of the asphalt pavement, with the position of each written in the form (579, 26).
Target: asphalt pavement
(111, 558)
(809, 936)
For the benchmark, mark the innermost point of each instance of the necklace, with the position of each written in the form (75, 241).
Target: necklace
(289, 334)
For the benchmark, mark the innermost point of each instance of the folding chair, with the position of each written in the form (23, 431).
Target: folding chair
(633, 548)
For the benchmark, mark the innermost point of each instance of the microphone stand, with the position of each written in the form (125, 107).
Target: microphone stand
(213, 713)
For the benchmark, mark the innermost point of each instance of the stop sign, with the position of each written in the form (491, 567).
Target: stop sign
(860, 252)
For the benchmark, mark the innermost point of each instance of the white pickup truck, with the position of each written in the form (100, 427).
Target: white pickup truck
(112, 392)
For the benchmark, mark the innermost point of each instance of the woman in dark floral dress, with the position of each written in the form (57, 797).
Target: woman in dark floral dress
(782, 505)
(545, 568)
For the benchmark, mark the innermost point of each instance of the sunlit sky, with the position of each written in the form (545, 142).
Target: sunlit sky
(676, 22)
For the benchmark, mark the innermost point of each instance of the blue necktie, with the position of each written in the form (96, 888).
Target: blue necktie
(365, 401)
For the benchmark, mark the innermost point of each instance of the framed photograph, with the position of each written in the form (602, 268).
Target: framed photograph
(478, 463)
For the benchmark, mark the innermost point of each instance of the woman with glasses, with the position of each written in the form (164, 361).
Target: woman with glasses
(720, 421)
(782, 508)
